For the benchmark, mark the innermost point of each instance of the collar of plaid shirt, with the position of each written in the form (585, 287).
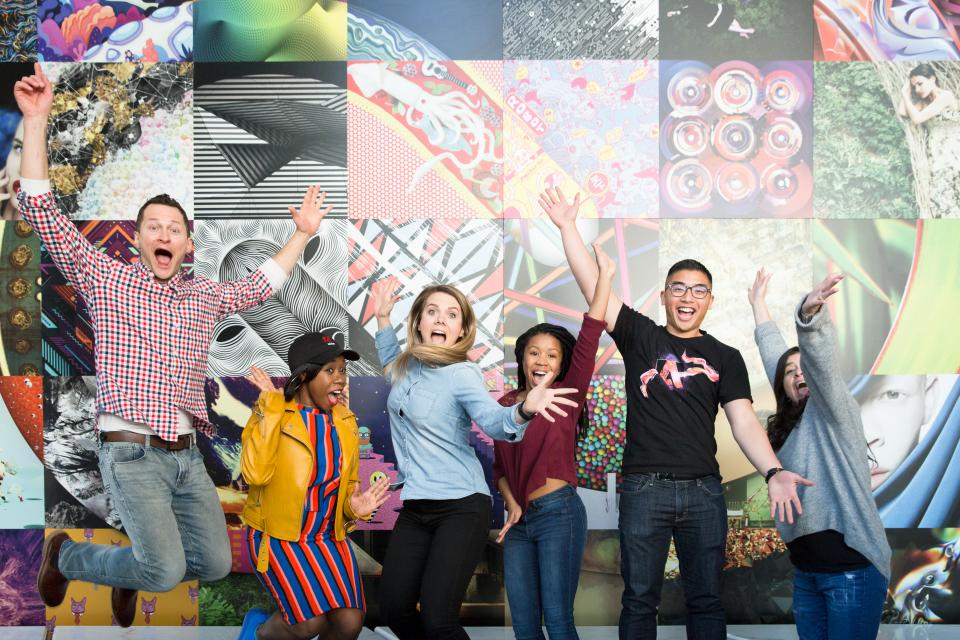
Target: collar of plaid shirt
(181, 276)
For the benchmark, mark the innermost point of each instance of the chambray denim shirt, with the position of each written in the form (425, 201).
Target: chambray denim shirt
(431, 409)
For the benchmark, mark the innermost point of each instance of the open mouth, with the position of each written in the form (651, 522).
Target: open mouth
(163, 258)
(438, 336)
(334, 396)
(538, 376)
(802, 390)
(685, 313)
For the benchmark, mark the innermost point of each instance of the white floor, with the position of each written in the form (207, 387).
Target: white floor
(736, 632)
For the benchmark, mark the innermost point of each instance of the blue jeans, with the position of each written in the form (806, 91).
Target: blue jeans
(694, 513)
(841, 606)
(172, 514)
(541, 565)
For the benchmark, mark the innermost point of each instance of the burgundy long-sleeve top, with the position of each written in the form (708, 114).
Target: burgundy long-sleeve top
(548, 450)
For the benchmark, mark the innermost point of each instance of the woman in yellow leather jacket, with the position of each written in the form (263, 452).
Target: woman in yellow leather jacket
(300, 458)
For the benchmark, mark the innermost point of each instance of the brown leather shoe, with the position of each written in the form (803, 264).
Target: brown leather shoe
(51, 584)
(124, 604)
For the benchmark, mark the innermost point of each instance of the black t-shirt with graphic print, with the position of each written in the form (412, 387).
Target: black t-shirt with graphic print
(675, 387)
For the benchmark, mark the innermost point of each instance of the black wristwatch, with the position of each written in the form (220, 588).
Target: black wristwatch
(526, 417)
(772, 472)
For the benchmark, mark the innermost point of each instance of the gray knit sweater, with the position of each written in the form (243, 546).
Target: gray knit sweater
(827, 446)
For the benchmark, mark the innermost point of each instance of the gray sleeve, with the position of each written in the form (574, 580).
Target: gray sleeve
(821, 370)
(771, 345)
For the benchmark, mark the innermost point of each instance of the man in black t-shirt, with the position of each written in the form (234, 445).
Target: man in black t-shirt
(677, 377)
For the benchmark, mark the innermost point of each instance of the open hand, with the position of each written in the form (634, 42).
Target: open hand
(261, 380)
(363, 504)
(384, 297)
(542, 400)
(556, 206)
(34, 94)
(782, 490)
(308, 217)
(513, 517)
(815, 299)
(757, 293)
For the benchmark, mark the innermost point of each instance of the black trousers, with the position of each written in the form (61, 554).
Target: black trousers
(434, 548)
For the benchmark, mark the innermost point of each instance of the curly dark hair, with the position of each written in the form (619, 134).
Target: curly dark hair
(788, 412)
(567, 341)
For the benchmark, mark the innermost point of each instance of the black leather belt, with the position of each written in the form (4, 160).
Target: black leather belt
(183, 442)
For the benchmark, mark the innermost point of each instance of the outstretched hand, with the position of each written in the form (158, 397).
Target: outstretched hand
(542, 400)
(261, 380)
(815, 299)
(34, 94)
(308, 217)
(561, 212)
(363, 504)
(384, 297)
(782, 490)
(757, 293)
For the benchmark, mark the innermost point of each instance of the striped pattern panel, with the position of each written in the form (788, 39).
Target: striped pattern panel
(261, 140)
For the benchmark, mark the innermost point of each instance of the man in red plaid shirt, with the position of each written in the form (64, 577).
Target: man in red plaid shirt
(153, 331)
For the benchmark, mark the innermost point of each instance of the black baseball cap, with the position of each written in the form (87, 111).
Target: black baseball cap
(317, 348)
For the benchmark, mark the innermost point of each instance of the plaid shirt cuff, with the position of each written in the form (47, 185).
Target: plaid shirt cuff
(34, 187)
(275, 274)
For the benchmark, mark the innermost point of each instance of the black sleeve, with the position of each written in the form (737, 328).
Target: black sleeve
(734, 379)
(629, 327)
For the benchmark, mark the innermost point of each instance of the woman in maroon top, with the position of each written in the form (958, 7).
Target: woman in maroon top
(546, 526)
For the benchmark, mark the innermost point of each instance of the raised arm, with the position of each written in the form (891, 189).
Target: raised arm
(250, 291)
(766, 334)
(585, 348)
(821, 367)
(76, 258)
(384, 298)
(307, 218)
(34, 96)
(564, 216)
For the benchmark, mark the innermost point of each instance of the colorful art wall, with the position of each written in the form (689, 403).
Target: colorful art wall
(742, 133)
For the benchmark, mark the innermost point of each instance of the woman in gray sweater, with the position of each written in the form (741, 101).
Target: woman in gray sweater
(837, 546)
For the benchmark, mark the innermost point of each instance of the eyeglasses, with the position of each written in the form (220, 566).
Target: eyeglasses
(678, 289)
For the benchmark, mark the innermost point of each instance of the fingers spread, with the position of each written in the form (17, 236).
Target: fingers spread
(553, 408)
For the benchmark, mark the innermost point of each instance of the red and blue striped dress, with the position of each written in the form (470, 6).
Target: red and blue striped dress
(316, 573)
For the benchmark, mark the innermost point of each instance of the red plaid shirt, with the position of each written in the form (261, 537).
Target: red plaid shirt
(151, 339)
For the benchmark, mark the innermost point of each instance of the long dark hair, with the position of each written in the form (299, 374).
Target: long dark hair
(923, 71)
(788, 412)
(567, 341)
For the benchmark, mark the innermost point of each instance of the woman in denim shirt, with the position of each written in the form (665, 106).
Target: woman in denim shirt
(445, 520)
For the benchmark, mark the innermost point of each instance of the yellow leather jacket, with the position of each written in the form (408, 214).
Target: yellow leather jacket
(277, 460)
